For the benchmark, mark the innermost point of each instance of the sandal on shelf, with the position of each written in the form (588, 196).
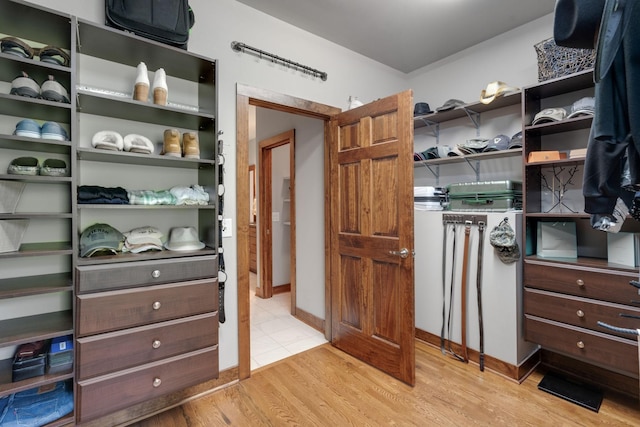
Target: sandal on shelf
(50, 54)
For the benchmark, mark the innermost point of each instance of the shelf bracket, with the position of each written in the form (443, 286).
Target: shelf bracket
(434, 127)
(475, 168)
(436, 174)
(475, 119)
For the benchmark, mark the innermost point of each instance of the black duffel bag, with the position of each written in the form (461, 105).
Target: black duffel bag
(165, 21)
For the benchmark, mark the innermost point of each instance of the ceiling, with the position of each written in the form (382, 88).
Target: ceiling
(405, 34)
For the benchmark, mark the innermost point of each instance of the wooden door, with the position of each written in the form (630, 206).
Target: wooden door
(371, 193)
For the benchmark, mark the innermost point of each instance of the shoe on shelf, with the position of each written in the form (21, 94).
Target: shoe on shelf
(190, 145)
(141, 87)
(54, 167)
(52, 130)
(107, 140)
(135, 143)
(54, 91)
(24, 85)
(28, 128)
(171, 146)
(23, 166)
(160, 89)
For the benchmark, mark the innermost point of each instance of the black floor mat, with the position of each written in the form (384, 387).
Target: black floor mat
(581, 394)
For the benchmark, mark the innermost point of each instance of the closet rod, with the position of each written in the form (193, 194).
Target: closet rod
(241, 47)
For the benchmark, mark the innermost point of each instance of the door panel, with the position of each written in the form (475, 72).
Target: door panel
(371, 183)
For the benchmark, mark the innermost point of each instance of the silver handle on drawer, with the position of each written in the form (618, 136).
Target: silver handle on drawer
(580, 344)
(580, 282)
(156, 344)
(156, 305)
(155, 274)
(157, 382)
(580, 313)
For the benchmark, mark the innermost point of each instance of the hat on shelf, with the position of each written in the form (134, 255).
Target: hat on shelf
(108, 140)
(473, 146)
(549, 115)
(100, 239)
(583, 107)
(143, 239)
(516, 141)
(498, 143)
(436, 152)
(503, 239)
(183, 239)
(495, 90)
(421, 109)
(576, 22)
(137, 144)
(450, 105)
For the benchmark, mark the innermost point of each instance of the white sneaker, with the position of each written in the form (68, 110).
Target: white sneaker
(160, 89)
(141, 87)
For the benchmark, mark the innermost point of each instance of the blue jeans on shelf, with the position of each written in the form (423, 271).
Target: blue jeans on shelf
(37, 406)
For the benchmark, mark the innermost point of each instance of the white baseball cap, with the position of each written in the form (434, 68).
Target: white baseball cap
(550, 115)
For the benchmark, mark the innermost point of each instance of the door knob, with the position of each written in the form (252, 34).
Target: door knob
(402, 253)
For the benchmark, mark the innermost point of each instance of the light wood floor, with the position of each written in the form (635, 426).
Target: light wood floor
(326, 387)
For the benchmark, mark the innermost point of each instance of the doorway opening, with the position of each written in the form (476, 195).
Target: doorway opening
(247, 96)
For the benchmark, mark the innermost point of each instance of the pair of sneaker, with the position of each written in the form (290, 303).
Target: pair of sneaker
(31, 166)
(50, 89)
(160, 91)
(189, 148)
(49, 130)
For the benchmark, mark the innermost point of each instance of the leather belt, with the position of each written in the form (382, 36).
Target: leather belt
(481, 226)
(463, 291)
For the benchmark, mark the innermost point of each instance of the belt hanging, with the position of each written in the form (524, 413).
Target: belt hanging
(481, 226)
(463, 291)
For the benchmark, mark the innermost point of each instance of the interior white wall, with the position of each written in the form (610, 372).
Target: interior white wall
(509, 57)
(280, 231)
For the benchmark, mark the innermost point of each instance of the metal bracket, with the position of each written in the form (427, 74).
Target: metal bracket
(464, 218)
(475, 119)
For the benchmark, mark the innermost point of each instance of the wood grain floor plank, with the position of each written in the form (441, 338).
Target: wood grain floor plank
(326, 387)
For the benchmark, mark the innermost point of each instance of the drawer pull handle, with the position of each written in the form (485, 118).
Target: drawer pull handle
(157, 382)
(580, 313)
(156, 305)
(155, 274)
(156, 344)
(580, 344)
(580, 283)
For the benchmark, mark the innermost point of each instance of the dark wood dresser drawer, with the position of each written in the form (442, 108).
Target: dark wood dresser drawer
(106, 353)
(607, 351)
(143, 273)
(109, 393)
(587, 282)
(580, 311)
(113, 310)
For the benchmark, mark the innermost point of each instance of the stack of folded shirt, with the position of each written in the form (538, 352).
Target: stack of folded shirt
(94, 194)
(151, 197)
(194, 195)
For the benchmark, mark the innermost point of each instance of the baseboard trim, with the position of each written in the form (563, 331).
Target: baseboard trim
(282, 289)
(507, 370)
(311, 320)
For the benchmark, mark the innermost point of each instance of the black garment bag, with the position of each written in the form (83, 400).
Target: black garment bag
(165, 21)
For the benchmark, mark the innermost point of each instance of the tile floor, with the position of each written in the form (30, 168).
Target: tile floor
(275, 333)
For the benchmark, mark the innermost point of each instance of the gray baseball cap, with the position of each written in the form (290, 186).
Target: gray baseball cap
(100, 239)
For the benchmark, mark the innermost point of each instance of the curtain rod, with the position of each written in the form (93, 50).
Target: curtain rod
(241, 47)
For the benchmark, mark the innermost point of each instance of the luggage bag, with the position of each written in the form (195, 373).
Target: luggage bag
(165, 21)
(485, 196)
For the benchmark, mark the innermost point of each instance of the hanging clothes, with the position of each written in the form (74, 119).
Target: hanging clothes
(614, 140)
